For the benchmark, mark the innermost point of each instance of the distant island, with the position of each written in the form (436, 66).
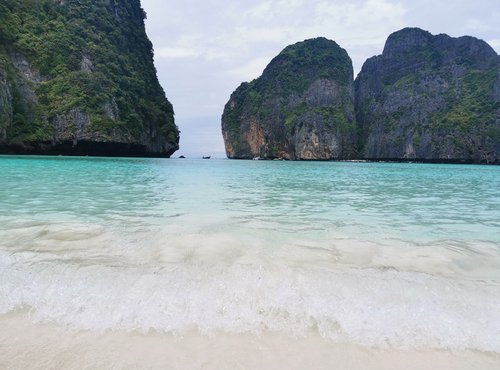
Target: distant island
(426, 98)
(77, 78)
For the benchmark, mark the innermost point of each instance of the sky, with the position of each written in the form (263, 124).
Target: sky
(205, 49)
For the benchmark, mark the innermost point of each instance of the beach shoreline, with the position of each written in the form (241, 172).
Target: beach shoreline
(25, 344)
(123, 264)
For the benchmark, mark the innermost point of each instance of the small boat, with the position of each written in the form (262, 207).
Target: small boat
(207, 157)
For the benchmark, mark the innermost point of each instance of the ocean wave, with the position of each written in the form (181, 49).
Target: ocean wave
(380, 307)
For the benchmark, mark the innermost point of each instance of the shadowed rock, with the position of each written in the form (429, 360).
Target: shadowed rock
(302, 107)
(430, 98)
(77, 77)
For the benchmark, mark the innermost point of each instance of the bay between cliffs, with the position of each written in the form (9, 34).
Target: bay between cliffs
(169, 263)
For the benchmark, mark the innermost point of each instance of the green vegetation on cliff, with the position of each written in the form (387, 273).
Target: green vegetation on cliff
(430, 97)
(81, 69)
(291, 73)
(298, 65)
(305, 90)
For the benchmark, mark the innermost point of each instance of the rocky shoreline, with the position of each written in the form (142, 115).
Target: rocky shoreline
(82, 148)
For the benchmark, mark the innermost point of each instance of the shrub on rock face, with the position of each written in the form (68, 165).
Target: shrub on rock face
(80, 71)
(426, 97)
(430, 97)
(302, 107)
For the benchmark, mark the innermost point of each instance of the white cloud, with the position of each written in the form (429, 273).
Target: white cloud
(476, 25)
(176, 52)
(269, 10)
(262, 11)
(251, 69)
(495, 44)
(204, 50)
(237, 32)
(260, 35)
(356, 24)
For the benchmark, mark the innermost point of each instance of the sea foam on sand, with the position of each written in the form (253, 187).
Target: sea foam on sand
(48, 346)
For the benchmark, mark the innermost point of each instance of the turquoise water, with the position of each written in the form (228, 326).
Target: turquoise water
(405, 255)
(371, 201)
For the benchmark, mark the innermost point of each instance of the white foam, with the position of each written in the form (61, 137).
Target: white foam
(371, 307)
(24, 345)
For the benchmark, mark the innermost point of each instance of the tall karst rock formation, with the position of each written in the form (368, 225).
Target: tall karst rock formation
(302, 107)
(430, 98)
(77, 77)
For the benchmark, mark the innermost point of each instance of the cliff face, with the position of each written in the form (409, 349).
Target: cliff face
(430, 97)
(426, 97)
(302, 107)
(77, 77)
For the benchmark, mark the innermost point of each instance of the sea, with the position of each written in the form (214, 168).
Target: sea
(129, 263)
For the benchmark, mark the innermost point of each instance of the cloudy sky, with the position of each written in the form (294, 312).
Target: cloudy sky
(205, 49)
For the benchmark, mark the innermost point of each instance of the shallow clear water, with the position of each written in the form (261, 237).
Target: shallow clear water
(402, 256)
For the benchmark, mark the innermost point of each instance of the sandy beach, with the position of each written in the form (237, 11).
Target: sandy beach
(47, 346)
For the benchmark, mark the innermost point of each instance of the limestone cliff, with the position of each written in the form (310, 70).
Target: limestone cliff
(77, 77)
(430, 98)
(302, 107)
